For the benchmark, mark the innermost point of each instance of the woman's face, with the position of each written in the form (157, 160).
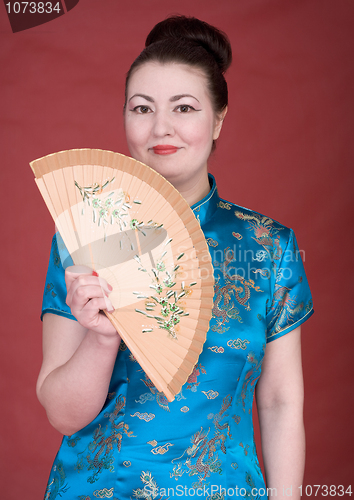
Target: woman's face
(169, 120)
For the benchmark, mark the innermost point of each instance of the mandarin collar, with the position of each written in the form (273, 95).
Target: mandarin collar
(205, 208)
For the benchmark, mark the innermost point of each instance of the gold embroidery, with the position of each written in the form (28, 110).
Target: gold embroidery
(211, 242)
(104, 493)
(225, 205)
(238, 343)
(161, 450)
(211, 394)
(216, 349)
(144, 416)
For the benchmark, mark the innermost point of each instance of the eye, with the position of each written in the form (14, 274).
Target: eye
(141, 109)
(184, 108)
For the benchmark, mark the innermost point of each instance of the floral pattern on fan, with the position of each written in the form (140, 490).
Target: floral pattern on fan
(165, 304)
(112, 207)
(166, 299)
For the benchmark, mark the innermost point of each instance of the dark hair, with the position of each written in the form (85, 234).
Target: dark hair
(190, 41)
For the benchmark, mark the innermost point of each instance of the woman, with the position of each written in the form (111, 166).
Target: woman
(122, 438)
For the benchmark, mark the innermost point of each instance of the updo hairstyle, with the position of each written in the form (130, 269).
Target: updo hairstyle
(188, 40)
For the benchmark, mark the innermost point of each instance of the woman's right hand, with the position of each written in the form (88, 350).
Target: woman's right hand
(87, 297)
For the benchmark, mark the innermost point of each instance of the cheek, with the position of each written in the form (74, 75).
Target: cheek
(200, 135)
(134, 134)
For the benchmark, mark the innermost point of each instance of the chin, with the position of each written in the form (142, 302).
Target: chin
(168, 171)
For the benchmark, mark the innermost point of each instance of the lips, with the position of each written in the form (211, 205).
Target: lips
(165, 149)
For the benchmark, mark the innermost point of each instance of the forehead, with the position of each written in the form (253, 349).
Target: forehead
(159, 80)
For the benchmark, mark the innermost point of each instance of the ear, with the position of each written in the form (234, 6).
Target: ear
(218, 123)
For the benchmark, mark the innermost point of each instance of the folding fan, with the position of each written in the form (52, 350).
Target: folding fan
(132, 227)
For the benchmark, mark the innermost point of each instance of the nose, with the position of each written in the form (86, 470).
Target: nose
(163, 124)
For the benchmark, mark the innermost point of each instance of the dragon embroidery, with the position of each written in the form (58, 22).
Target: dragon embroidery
(264, 233)
(245, 397)
(236, 286)
(57, 486)
(202, 455)
(192, 382)
(98, 455)
(284, 308)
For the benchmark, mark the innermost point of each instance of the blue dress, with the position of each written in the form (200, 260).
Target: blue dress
(141, 446)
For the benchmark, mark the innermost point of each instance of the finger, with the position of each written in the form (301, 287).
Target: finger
(98, 304)
(73, 272)
(85, 310)
(91, 315)
(91, 284)
(102, 325)
(84, 294)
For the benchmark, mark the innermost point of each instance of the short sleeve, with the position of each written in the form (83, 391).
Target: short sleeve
(55, 289)
(291, 302)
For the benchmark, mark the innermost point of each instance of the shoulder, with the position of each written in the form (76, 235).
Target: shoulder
(251, 222)
(246, 214)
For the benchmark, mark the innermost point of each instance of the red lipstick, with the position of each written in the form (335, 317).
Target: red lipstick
(165, 149)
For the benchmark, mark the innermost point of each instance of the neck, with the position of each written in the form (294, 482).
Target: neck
(193, 190)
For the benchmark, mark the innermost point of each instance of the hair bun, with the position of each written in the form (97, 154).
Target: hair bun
(192, 29)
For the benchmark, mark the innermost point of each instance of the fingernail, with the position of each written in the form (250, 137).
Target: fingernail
(94, 273)
(109, 305)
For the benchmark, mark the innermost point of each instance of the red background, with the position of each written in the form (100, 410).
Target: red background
(286, 150)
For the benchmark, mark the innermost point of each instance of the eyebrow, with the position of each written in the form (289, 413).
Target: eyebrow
(148, 98)
(172, 99)
(180, 96)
